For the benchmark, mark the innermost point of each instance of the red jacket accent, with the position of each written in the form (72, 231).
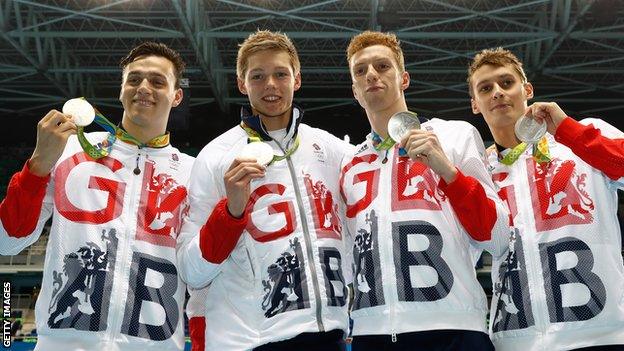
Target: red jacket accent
(475, 211)
(219, 235)
(602, 153)
(20, 209)
(197, 330)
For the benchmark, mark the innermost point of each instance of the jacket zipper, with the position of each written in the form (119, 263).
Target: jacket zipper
(122, 277)
(308, 241)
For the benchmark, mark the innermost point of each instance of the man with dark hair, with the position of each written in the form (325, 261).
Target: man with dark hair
(110, 280)
(562, 285)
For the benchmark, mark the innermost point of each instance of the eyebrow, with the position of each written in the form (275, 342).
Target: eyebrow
(505, 75)
(149, 73)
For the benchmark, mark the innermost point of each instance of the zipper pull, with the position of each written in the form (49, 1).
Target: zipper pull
(137, 170)
(394, 338)
(385, 160)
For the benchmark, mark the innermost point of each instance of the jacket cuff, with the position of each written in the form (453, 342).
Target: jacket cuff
(568, 131)
(30, 182)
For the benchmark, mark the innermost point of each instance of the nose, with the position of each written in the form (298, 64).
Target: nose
(143, 87)
(271, 82)
(371, 74)
(497, 92)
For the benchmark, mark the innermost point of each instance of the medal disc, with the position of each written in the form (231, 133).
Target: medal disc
(262, 152)
(81, 111)
(529, 130)
(401, 123)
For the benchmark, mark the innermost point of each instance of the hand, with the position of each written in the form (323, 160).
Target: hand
(424, 146)
(237, 181)
(548, 112)
(53, 130)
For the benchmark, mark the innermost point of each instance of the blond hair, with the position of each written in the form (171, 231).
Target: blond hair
(370, 38)
(497, 57)
(263, 40)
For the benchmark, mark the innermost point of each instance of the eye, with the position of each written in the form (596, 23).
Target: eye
(485, 88)
(256, 76)
(358, 71)
(508, 82)
(133, 80)
(158, 82)
(383, 66)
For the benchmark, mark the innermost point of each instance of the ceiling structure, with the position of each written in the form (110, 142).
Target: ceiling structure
(573, 51)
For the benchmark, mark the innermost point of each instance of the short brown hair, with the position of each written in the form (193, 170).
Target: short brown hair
(497, 57)
(370, 38)
(263, 40)
(150, 48)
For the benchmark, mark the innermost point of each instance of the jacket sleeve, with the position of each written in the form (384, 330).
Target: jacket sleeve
(596, 142)
(24, 211)
(206, 238)
(474, 197)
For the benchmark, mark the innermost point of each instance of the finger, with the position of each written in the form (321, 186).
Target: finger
(48, 116)
(56, 120)
(244, 162)
(68, 126)
(241, 173)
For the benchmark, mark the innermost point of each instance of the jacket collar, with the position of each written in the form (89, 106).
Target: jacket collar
(255, 123)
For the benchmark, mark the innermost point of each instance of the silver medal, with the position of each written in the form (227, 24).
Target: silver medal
(81, 111)
(529, 130)
(401, 123)
(262, 152)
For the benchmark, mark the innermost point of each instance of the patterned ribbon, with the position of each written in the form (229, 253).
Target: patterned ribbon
(103, 148)
(385, 144)
(254, 137)
(541, 153)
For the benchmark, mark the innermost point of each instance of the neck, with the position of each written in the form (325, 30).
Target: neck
(379, 119)
(142, 134)
(275, 122)
(505, 137)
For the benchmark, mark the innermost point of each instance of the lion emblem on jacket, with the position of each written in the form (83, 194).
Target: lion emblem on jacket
(283, 288)
(78, 282)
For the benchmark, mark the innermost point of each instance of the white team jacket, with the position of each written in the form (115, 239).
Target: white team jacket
(110, 280)
(285, 276)
(413, 262)
(562, 287)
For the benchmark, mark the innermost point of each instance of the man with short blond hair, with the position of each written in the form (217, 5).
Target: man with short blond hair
(419, 212)
(265, 231)
(561, 287)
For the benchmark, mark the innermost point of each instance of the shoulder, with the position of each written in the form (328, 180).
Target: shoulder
(320, 136)
(222, 145)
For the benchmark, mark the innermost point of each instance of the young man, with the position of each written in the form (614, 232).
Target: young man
(270, 234)
(110, 280)
(562, 285)
(420, 221)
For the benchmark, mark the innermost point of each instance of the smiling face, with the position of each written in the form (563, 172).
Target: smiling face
(377, 81)
(499, 95)
(270, 83)
(147, 94)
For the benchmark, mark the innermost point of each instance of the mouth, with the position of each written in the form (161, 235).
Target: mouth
(271, 98)
(144, 103)
(373, 89)
(500, 107)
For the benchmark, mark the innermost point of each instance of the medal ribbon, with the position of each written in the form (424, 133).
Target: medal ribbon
(104, 148)
(254, 137)
(386, 144)
(540, 152)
